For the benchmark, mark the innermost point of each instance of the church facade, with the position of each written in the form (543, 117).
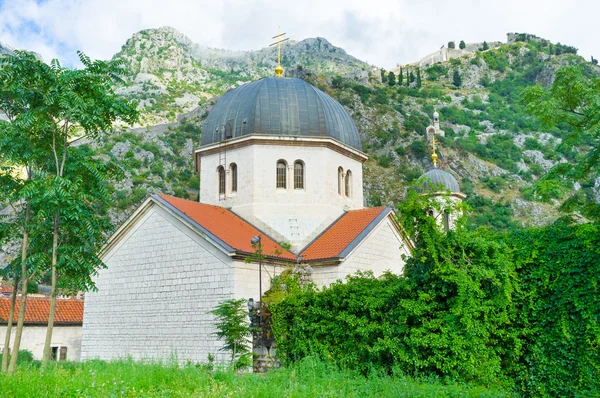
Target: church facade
(279, 159)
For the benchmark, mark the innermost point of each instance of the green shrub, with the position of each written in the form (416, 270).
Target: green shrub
(418, 148)
(447, 317)
(384, 161)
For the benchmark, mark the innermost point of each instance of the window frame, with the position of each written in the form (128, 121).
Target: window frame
(348, 184)
(281, 174)
(341, 183)
(299, 178)
(234, 177)
(221, 181)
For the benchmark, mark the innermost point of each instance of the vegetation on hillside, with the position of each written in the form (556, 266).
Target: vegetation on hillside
(494, 146)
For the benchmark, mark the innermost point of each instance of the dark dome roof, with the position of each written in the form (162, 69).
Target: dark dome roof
(280, 107)
(436, 177)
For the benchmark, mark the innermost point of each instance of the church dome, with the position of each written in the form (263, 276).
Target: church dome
(436, 177)
(279, 107)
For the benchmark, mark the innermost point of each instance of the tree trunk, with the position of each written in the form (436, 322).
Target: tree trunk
(47, 344)
(24, 280)
(9, 322)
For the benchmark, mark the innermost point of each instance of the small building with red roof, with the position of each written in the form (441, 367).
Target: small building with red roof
(66, 336)
(279, 160)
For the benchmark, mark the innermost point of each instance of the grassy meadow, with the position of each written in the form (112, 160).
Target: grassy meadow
(308, 378)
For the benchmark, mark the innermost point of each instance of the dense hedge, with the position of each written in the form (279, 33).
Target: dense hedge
(559, 308)
(521, 310)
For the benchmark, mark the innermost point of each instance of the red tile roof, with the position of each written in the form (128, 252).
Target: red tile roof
(37, 310)
(227, 227)
(332, 242)
(5, 288)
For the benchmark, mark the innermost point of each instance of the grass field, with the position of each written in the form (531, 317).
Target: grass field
(309, 378)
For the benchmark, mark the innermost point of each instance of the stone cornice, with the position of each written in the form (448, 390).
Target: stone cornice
(257, 139)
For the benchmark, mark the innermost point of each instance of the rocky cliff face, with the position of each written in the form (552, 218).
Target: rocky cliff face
(169, 74)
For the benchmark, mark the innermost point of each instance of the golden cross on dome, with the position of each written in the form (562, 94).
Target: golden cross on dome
(433, 154)
(278, 68)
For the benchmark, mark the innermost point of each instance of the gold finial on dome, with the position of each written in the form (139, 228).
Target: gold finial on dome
(433, 152)
(278, 68)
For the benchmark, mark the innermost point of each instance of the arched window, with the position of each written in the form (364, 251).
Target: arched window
(298, 174)
(446, 221)
(340, 180)
(281, 174)
(221, 176)
(233, 168)
(348, 184)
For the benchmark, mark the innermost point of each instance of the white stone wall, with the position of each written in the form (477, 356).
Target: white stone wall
(33, 339)
(380, 251)
(246, 278)
(298, 215)
(153, 299)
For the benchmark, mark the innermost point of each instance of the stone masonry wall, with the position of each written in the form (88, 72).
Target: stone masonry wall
(154, 297)
(34, 337)
(381, 251)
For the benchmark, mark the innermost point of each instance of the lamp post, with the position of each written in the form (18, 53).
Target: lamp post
(256, 241)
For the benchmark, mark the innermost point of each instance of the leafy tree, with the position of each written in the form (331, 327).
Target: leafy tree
(456, 79)
(411, 77)
(594, 61)
(21, 80)
(451, 44)
(391, 78)
(418, 77)
(234, 330)
(65, 102)
(573, 100)
(382, 71)
(462, 45)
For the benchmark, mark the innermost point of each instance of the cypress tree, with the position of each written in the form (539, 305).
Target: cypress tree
(411, 77)
(391, 78)
(419, 78)
(456, 79)
(401, 78)
(462, 45)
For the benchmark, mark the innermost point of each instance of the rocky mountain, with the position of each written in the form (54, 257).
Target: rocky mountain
(169, 74)
(493, 147)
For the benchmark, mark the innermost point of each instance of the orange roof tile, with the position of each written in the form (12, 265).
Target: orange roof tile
(5, 288)
(332, 242)
(227, 227)
(37, 310)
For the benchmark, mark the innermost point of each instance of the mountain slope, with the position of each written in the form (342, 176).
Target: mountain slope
(494, 148)
(169, 74)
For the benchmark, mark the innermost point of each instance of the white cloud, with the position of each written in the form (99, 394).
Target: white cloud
(380, 32)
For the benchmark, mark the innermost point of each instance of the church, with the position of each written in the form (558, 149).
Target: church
(280, 165)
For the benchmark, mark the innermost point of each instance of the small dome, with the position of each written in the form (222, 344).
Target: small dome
(279, 107)
(436, 177)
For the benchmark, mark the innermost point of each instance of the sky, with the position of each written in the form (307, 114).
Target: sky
(382, 33)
